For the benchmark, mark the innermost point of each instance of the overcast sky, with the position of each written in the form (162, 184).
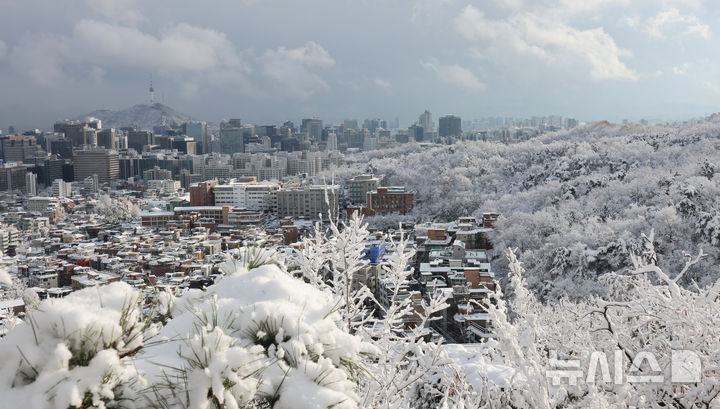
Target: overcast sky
(269, 60)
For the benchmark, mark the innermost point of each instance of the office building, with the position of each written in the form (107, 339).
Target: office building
(309, 202)
(450, 125)
(332, 143)
(312, 128)
(101, 162)
(198, 132)
(390, 200)
(107, 139)
(201, 194)
(18, 148)
(232, 137)
(139, 139)
(30, 184)
(60, 188)
(12, 176)
(426, 121)
(360, 185)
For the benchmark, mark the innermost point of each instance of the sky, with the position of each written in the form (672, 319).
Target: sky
(266, 61)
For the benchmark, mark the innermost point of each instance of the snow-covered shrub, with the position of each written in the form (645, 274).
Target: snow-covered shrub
(74, 351)
(645, 313)
(257, 337)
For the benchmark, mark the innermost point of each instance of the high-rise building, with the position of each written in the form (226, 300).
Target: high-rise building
(450, 125)
(232, 137)
(426, 121)
(351, 124)
(101, 162)
(79, 134)
(139, 139)
(107, 139)
(62, 148)
(18, 148)
(30, 184)
(12, 176)
(370, 140)
(51, 169)
(187, 146)
(310, 202)
(312, 128)
(60, 188)
(332, 144)
(417, 133)
(198, 131)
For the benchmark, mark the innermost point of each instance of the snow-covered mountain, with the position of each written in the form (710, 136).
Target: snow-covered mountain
(143, 116)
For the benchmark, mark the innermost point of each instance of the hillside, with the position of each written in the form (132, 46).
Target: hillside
(143, 116)
(575, 203)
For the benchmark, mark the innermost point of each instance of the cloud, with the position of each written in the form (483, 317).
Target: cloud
(3, 49)
(177, 48)
(680, 70)
(291, 69)
(454, 74)
(40, 56)
(549, 40)
(178, 51)
(426, 8)
(125, 11)
(672, 22)
(382, 83)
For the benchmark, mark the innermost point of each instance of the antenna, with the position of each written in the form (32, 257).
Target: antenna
(152, 92)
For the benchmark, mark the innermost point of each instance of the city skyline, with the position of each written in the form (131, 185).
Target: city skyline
(592, 61)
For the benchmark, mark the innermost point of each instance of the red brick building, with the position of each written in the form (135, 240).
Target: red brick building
(201, 194)
(390, 200)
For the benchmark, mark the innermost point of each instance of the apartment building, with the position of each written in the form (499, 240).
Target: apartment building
(360, 185)
(310, 202)
(390, 200)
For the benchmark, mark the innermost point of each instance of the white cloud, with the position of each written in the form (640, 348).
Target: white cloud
(126, 11)
(454, 74)
(291, 69)
(382, 83)
(549, 40)
(680, 70)
(426, 8)
(40, 57)
(671, 21)
(178, 51)
(177, 48)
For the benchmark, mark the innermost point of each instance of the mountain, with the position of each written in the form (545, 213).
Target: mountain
(142, 116)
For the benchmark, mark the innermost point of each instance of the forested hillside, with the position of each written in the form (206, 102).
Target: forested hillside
(574, 203)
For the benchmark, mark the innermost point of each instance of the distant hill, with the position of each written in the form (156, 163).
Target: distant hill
(142, 116)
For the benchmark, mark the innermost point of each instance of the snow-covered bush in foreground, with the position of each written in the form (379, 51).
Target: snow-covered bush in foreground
(72, 352)
(608, 345)
(258, 337)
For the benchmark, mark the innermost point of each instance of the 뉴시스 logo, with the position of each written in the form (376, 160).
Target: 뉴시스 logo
(685, 367)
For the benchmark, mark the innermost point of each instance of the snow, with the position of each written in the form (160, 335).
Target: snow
(64, 351)
(5, 277)
(281, 333)
(142, 116)
(476, 364)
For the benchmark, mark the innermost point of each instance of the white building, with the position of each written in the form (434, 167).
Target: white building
(332, 142)
(247, 195)
(309, 201)
(30, 184)
(60, 188)
(164, 187)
